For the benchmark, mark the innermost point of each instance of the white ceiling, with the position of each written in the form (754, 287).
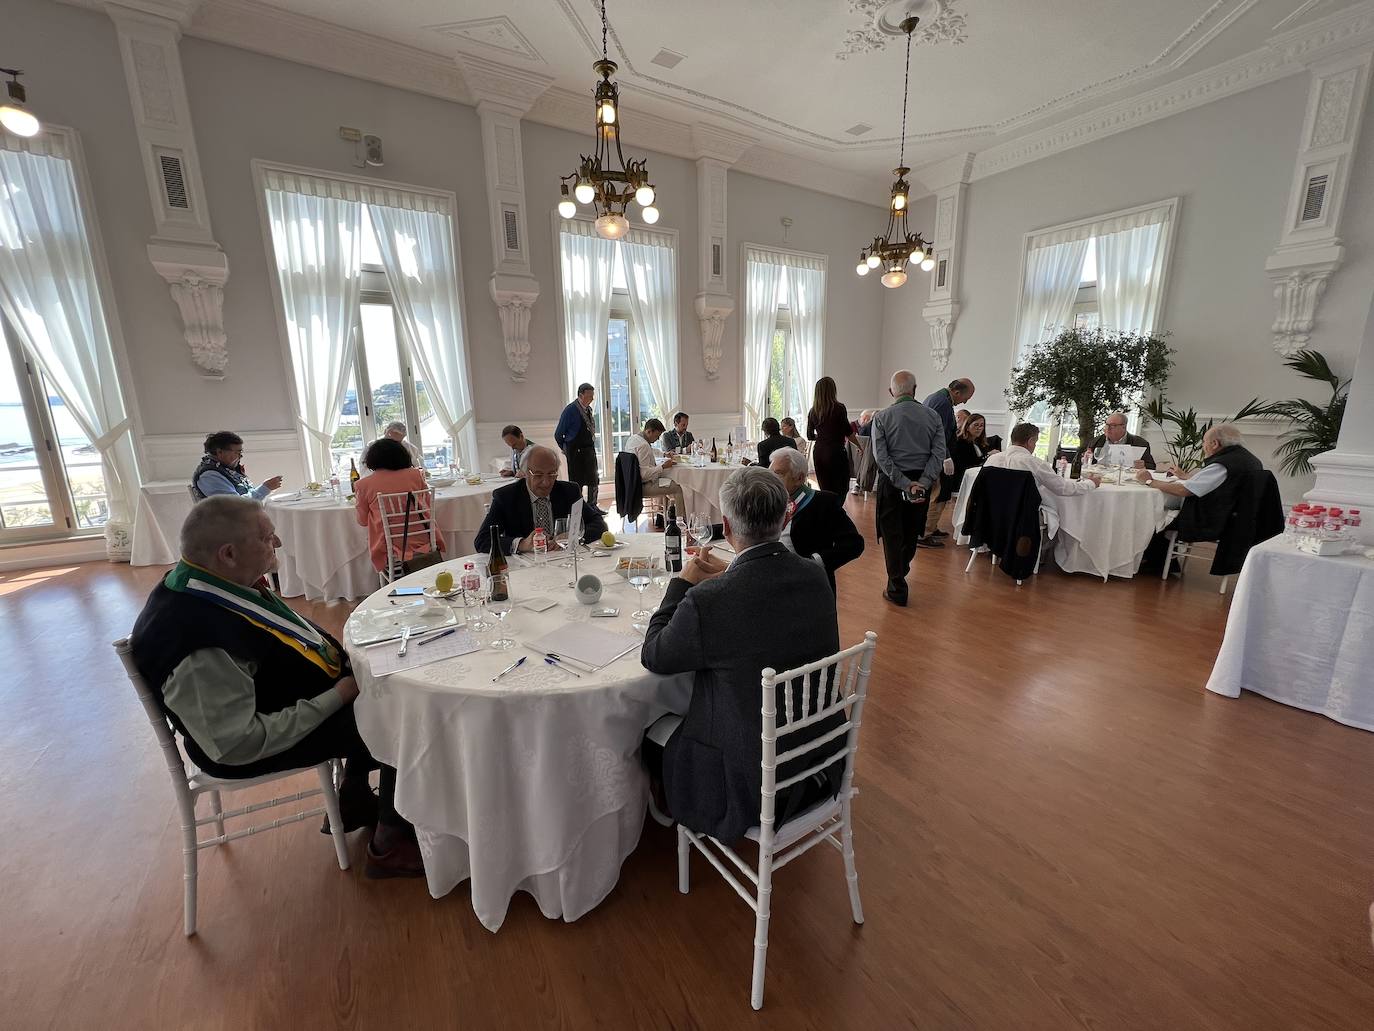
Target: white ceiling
(795, 74)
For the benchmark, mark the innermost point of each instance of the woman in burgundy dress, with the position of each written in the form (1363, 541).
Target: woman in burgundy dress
(828, 425)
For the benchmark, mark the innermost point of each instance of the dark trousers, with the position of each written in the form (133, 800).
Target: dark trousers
(582, 471)
(900, 524)
(336, 738)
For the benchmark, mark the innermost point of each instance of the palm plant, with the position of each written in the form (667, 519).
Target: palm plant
(1185, 442)
(1316, 426)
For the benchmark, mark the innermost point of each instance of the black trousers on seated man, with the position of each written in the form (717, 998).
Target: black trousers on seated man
(900, 524)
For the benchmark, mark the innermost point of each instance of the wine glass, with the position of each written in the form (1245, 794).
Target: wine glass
(499, 605)
(481, 624)
(661, 581)
(560, 530)
(701, 529)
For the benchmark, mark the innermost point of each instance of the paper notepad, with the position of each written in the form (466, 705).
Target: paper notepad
(383, 661)
(589, 645)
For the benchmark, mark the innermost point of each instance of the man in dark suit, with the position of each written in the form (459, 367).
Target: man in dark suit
(725, 625)
(1114, 432)
(817, 526)
(576, 435)
(537, 500)
(772, 440)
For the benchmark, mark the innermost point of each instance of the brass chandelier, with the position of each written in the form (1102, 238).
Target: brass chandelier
(609, 188)
(897, 247)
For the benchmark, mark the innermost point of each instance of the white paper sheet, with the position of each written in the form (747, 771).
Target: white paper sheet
(382, 659)
(588, 645)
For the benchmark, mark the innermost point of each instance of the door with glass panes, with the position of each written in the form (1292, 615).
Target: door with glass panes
(626, 398)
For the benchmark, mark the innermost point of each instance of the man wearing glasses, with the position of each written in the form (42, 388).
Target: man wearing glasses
(1115, 433)
(221, 470)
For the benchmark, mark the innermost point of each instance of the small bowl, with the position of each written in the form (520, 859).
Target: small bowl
(588, 590)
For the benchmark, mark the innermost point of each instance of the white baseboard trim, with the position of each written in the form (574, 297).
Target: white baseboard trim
(173, 456)
(43, 554)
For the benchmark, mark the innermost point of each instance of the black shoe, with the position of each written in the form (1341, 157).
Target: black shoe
(939, 535)
(357, 806)
(928, 542)
(896, 599)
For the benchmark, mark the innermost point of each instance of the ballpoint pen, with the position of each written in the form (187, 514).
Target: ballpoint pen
(427, 640)
(514, 665)
(565, 668)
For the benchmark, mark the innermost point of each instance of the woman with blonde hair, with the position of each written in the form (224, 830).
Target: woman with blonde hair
(828, 425)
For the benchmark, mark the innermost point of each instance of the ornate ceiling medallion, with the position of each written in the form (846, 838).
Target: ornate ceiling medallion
(939, 23)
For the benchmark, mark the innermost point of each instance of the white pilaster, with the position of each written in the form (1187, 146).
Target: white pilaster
(1345, 476)
(716, 149)
(949, 181)
(183, 248)
(504, 94)
(1310, 250)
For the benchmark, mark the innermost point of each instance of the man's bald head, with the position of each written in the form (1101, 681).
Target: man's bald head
(541, 470)
(903, 382)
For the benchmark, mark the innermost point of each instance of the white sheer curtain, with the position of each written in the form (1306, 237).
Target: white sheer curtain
(421, 265)
(317, 239)
(586, 266)
(806, 307)
(1130, 272)
(1053, 272)
(763, 275)
(50, 294)
(651, 276)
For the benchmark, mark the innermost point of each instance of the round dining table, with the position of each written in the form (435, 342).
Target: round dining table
(530, 782)
(324, 553)
(701, 486)
(1103, 532)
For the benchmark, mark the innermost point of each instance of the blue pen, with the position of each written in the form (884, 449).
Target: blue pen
(550, 660)
(514, 665)
(436, 637)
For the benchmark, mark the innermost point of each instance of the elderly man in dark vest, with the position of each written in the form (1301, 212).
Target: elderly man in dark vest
(1205, 496)
(253, 687)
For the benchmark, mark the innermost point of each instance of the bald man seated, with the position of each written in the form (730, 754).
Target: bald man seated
(538, 500)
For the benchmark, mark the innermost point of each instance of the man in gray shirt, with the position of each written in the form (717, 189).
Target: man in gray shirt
(909, 448)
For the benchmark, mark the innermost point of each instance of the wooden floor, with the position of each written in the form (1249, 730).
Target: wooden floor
(1051, 833)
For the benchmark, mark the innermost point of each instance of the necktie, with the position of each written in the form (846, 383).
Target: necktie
(543, 516)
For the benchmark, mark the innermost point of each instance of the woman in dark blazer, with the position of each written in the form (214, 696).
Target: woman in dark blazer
(971, 448)
(828, 425)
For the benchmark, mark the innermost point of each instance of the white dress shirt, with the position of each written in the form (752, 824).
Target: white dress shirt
(1051, 484)
(650, 469)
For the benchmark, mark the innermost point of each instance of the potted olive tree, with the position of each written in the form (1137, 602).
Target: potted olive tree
(1083, 375)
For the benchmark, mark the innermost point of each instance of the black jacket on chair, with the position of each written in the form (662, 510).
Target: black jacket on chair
(513, 511)
(1204, 518)
(1256, 515)
(726, 631)
(629, 485)
(1003, 513)
(824, 528)
(770, 444)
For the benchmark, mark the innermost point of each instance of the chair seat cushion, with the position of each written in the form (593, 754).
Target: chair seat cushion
(800, 825)
(200, 781)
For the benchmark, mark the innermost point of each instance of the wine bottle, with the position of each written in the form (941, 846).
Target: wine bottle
(497, 566)
(715, 455)
(672, 541)
(353, 476)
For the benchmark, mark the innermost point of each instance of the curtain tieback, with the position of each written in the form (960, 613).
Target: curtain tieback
(324, 438)
(107, 439)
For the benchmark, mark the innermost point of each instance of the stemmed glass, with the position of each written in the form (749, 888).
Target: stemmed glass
(500, 608)
(480, 623)
(640, 581)
(661, 580)
(699, 526)
(560, 530)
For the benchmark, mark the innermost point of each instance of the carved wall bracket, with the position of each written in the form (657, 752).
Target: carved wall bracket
(1298, 289)
(196, 276)
(514, 297)
(940, 316)
(712, 311)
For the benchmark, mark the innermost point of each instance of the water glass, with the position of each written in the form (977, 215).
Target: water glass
(500, 608)
(480, 623)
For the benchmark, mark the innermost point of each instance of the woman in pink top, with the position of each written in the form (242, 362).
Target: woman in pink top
(392, 473)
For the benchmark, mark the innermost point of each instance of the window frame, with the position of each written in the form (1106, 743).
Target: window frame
(784, 320)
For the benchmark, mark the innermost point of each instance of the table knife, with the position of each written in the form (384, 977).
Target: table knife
(405, 642)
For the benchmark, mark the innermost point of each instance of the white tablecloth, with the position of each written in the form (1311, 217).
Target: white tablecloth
(533, 784)
(1301, 631)
(701, 486)
(162, 508)
(324, 552)
(1104, 532)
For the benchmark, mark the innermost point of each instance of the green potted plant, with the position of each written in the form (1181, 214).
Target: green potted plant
(1084, 374)
(1184, 443)
(1316, 426)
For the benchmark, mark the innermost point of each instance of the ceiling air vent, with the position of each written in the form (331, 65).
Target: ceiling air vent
(512, 231)
(667, 59)
(173, 182)
(859, 130)
(717, 263)
(1314, 199)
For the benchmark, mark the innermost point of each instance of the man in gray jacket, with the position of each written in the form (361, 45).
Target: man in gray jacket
(725, 624)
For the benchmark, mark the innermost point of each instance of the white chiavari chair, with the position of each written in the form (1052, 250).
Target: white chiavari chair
(392, 508)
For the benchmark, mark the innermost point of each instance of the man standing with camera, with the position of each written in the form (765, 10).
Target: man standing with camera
(909, 448)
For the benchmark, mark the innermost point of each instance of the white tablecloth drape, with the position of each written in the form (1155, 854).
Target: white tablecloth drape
(701, 486)
(533, 783)
(1301, 631)
(162, 507)
(324, 553)
(1104, 532)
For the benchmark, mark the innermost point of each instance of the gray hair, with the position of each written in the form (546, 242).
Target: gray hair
(755, 502)
(796, 461)
(904, 382)
(1226, 434)
(217, 521)
(395, 426)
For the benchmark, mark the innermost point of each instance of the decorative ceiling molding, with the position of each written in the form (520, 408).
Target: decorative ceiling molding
(179, 11)
(940, 24)
(957, 168)
(711, 141)
(514, 90)
(497, 33)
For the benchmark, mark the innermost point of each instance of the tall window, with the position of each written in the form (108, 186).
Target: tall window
(66, 455)
(620, 327)
(368, 283)
(1108, 271)
(784, 330)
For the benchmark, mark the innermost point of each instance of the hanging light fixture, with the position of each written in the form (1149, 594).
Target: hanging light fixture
(897, 248)
(609, 187)
(14, 112)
